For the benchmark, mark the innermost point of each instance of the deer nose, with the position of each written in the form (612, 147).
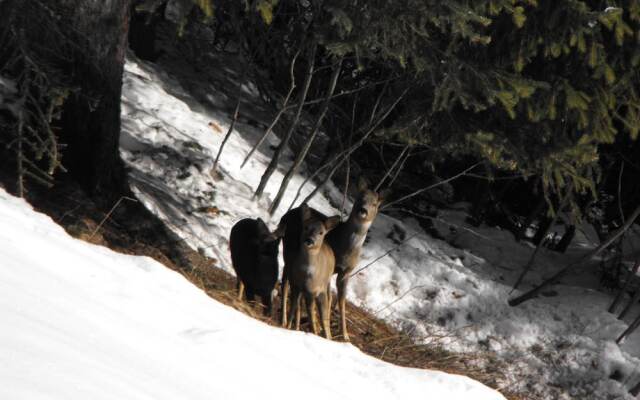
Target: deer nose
(308, 242)
(363, 212)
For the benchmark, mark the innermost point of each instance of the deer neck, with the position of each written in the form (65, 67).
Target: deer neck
(356, 231)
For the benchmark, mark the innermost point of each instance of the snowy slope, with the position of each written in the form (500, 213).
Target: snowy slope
(555, 347)
(82, 322)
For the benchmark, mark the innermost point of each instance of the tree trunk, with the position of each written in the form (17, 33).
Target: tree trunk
(91, 115)
(566, 240)
(142, 31)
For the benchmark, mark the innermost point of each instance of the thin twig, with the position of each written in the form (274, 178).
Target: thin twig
(226, 137)
(619, 191)
(397, 299)
(357, 145)
(399, 169)
(393, 166)
(464, 228)
(386, 253)
(419, 191)
(106, 217)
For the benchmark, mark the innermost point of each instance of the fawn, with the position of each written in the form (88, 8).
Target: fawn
(254, 256)
(309, 264)
(291, 226)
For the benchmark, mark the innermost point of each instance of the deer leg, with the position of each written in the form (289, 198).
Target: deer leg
(297, 318)
(309, 300)
(295, 305)
(240, 287)
(267, 303)
(324, 309)
(318, 326)
(329, 297)
(285, 298)
(342, 301)
(251, 296)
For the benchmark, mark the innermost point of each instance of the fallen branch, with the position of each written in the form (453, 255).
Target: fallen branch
(632, 273)
(630, 329)
(529, 265)
(534, 292)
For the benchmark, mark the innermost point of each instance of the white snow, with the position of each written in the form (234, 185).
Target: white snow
(558, 346)
(80, 321)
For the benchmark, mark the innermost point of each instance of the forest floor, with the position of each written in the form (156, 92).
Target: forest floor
(131, 229)
(449, 290)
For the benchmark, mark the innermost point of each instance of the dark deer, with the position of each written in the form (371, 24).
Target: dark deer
(308, 269)
(346, 241)
(254, 256)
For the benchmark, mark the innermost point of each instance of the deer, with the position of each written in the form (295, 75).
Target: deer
(254, 257)
(346, 241)
(309, 264)
(291, 226)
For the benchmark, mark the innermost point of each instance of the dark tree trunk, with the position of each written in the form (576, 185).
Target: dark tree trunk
(566, 240)
(142, 32)
(91, 115)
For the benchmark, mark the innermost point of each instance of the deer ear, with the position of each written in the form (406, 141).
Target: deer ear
(362, 184)
(331, 222)
(383, 195)
(263, 229)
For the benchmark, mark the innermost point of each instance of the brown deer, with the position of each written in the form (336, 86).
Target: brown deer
(346, 241)
(308, 269)
(291, 226)
(254, 256)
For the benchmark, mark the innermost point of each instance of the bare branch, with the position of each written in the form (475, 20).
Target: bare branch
(314, 132)
(344, 155)
(393, 166)
(285, 140)
(284, 108)
(234, 118)
(419, 191)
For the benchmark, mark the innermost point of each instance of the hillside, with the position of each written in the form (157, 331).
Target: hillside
(81, 321)
(557, 346)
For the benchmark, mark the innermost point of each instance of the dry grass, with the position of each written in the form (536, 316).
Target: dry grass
(131, 229)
